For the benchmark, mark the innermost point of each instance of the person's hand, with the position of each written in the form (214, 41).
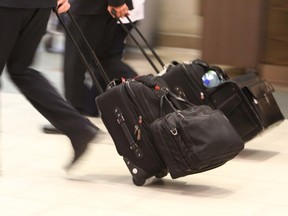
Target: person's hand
(120, 11)
(63, 6)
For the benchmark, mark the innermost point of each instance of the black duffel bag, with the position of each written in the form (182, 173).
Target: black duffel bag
(195, 139)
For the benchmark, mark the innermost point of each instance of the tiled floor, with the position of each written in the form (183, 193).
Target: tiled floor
(33, 183)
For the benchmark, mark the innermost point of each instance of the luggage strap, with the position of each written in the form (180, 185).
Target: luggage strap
(133, 145)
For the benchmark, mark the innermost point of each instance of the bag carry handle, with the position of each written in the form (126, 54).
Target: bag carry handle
(169, 97)
(138, 44)
(95, 60)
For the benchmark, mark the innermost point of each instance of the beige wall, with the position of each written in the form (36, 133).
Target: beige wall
(176, 23)
(180, 17)
(179, 23)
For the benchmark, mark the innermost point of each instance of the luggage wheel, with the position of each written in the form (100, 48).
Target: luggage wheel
(138, 182)
(162, 174)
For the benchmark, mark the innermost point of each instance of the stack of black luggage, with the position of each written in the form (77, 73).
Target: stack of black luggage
(172, 123)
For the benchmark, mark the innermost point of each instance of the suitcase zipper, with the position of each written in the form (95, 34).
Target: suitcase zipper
(139, 125)
(141, 103)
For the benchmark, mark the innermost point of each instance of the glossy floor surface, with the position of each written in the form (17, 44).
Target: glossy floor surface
(33, 183)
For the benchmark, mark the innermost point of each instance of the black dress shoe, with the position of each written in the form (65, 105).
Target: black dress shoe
(50, 129)
(80, 147)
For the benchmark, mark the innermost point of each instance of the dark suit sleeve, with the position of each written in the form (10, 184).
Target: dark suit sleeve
(117, 3)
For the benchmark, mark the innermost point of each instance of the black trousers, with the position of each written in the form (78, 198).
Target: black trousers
(106, 38)
(20, 33)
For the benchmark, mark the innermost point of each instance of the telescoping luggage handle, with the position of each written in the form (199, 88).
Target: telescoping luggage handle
(139, 45)
(95, 60)
(219, 71)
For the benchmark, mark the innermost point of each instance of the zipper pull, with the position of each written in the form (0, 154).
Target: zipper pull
(140, 119)
(202, 96)
(138, 134)
(136, 129)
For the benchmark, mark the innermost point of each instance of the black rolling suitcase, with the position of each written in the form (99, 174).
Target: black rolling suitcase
(185, 80)
(127, 108)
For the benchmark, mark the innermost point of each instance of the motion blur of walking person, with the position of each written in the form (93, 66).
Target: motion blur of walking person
(107, 39)
(22, 25)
